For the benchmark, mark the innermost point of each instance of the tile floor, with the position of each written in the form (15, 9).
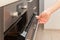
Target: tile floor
(47, 34)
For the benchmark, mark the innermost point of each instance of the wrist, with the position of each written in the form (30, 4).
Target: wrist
(48, 12)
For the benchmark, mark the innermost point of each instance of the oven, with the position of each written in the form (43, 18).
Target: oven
(17, 18)
(13, 33)
(15, 21)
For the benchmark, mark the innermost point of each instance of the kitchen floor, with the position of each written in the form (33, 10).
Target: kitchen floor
(47, 34)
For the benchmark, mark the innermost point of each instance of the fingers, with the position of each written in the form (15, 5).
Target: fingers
(43, 18)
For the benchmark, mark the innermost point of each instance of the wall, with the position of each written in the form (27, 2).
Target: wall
(41, 5)
(54, 21)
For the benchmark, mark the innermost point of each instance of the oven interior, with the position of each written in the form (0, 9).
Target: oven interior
(18, 27)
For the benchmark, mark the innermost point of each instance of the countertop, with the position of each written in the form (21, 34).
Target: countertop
(6, 2)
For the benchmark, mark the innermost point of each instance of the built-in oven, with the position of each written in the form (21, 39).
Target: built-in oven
(15, 20)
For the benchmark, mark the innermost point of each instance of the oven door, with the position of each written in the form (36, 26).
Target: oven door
(8, 11)
(13, 33)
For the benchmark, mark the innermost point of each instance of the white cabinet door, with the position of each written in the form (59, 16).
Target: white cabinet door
(54, 21)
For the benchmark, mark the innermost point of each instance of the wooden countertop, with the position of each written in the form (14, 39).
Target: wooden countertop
(6, 2)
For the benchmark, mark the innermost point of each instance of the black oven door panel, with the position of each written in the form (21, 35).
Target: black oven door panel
(18, 28)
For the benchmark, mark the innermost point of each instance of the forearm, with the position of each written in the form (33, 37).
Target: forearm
(53, 8)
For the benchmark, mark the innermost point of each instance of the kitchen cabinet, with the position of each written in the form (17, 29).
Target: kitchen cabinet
(1, 24)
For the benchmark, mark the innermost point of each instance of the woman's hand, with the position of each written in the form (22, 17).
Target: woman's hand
(43, 17)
